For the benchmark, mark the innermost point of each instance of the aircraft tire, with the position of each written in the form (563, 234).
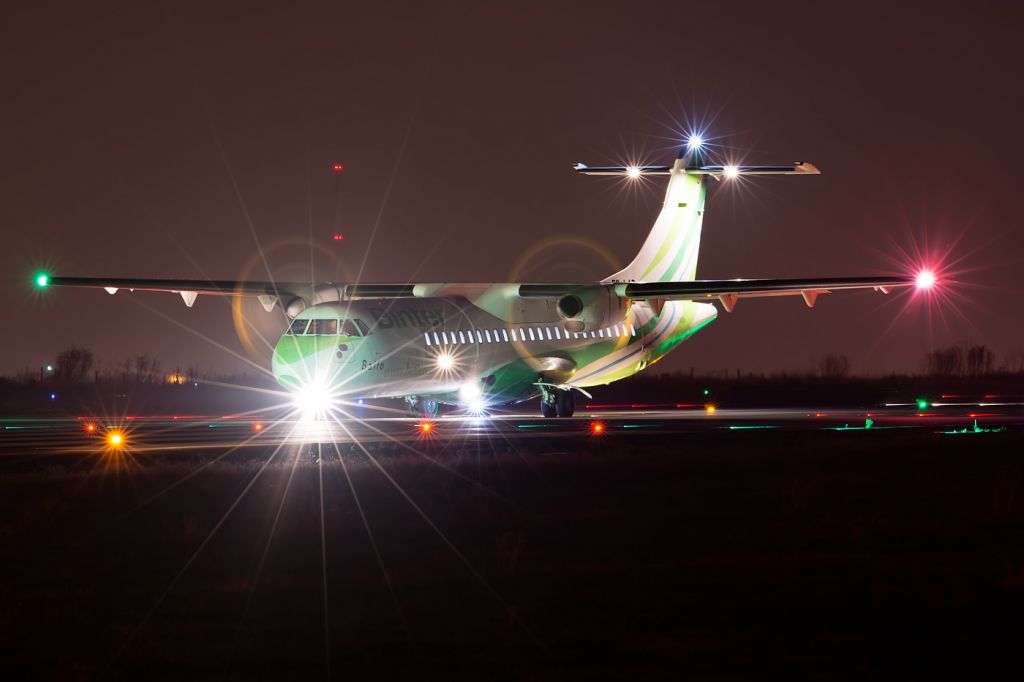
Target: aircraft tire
(548, 409)
(565, 404)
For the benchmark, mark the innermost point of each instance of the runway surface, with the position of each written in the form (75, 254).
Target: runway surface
(646, 542)
(371, 426)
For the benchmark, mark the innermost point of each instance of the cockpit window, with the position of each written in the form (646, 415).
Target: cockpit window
(348, 328)
(298, 327)
(362, 327)
(324, 327)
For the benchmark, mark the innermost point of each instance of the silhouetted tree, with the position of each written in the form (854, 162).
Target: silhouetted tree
(834, 366)
(73, 365)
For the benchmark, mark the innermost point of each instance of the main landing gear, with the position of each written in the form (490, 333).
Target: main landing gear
(556, 402)
(421, 407)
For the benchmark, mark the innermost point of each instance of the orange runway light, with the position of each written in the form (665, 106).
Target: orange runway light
(115, 439)
(710, 409)
(90, 428)
(425, 427)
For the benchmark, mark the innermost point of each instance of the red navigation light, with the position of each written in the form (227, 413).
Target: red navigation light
(425, 427)
(597, 428)
(926, 279)
(338, 237)
(90, 428)
(338, 167)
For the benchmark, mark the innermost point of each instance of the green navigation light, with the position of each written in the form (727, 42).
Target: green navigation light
(42, 279)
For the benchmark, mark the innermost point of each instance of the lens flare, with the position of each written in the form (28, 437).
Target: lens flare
(695, 142)
(632, 171)
(926, 280)
(445, 361)
(731, 171)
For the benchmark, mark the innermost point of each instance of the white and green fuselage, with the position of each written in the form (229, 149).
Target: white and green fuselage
(479, 340)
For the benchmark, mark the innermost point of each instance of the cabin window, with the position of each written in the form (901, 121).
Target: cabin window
(426, 337)
(504, 333)
(437, 339)
(488, 335)
(298, 327)
(462, 337)
(444, 335)
(364, 329)
(618, 330)
(480, 336)
(600, 332)
(632, 330)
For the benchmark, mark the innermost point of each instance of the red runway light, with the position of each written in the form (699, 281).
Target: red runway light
(425, 427)
(90, 427)
(338, 237)
(597, 427)
(338, 167)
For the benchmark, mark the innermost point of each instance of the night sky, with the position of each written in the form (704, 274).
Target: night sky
(165, 139)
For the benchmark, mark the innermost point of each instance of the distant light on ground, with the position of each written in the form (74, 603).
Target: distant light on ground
(597, 427)
(633, 171)
(710, 409)
(42, 280)
(115, 439)
(731, 171)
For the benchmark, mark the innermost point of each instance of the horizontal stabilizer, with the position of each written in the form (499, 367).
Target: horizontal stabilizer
(797, 168)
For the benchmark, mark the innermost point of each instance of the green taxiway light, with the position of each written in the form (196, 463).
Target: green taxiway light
(42, 279)
(752, 426)
(706, 391)
(922, 404)
(976, 429)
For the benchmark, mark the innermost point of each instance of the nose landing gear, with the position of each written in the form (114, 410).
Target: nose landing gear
(556, 402)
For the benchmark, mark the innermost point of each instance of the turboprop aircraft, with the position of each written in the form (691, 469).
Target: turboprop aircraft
(486, 344)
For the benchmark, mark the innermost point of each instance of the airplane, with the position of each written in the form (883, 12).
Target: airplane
(481, 345)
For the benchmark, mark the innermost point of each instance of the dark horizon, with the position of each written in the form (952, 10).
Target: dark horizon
(150, 141)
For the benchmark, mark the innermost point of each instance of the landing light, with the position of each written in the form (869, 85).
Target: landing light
(313, 400)
(925, 279)
(445, 361)
(731, 171)
(633, 171)
(695, 142)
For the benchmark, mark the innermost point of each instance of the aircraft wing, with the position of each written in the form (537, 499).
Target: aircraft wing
(729, 291)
